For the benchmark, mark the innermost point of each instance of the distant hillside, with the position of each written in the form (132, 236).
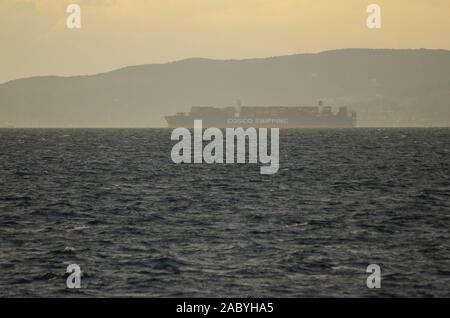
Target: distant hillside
(385, 87)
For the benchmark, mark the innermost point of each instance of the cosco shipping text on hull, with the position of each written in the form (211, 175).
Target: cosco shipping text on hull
(260, 116)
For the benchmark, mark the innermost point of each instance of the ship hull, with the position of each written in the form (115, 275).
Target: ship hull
(245, 122)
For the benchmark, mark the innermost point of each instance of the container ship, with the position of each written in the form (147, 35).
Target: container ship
(265, 117)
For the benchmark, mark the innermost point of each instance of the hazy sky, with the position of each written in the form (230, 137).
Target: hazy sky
(115, 33)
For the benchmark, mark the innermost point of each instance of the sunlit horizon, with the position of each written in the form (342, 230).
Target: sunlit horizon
(117, 33)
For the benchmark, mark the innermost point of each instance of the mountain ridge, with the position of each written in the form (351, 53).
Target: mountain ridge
(405, 87)
(221, 60)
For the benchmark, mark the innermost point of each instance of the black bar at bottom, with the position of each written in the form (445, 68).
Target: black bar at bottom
(208, 307)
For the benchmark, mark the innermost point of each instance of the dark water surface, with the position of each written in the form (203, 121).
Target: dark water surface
(113, 202)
